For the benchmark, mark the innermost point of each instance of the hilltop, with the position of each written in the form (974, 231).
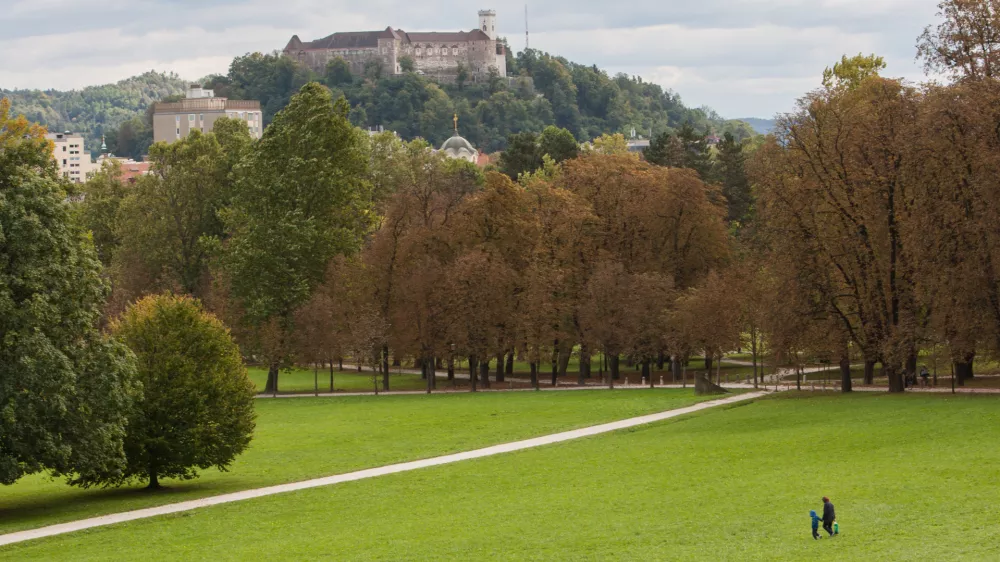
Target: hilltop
(541, 90)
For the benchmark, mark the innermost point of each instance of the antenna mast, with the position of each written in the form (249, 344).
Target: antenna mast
(527, 38)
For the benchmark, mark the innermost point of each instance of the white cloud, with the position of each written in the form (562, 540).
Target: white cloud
(741, 57)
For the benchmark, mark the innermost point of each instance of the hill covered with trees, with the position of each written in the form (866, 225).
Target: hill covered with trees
(95, 110)
(542, 90)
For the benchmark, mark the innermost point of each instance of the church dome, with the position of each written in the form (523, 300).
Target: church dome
(456, 144)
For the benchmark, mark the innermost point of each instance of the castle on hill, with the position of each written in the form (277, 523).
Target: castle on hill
(434, 53)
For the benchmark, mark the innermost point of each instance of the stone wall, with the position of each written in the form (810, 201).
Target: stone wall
(431, 58)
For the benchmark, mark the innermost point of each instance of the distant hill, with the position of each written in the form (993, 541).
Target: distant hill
(94, 110)
(761, 126)
(542, 90)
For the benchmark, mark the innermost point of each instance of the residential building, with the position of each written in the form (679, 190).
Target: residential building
(131, 169)
(71, 156)
(198, 111)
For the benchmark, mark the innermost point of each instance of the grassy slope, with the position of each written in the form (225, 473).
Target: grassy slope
(724, 485)
(302, 438)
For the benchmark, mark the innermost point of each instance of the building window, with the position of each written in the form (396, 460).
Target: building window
(64, 148)
(191, 118)
(178, 131)
(201, 117)
(178, 119)
(64, 161)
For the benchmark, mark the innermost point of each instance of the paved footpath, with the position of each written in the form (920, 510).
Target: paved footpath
(116, 518)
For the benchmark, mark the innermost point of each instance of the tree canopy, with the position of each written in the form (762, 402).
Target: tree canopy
(65, 389)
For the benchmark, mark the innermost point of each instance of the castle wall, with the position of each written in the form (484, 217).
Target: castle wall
(317, 59)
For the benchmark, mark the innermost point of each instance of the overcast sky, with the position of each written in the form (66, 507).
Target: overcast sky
(743, 58)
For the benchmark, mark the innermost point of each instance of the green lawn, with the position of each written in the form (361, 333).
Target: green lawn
(301, 438)
(913, 478)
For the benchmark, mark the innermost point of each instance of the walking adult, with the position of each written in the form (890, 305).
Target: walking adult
(829, 515)
(924, 375)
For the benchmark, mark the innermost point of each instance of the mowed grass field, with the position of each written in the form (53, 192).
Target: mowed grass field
(302, 438)
(913, 478)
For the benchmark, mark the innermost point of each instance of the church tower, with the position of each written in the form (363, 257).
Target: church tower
(488, 23)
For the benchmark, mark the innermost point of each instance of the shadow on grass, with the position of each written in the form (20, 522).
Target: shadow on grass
(25, 509)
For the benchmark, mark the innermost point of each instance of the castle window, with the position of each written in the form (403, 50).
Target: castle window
(418, 51)
(454, 50)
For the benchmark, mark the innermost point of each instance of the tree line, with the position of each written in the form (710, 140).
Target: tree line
(863, 229)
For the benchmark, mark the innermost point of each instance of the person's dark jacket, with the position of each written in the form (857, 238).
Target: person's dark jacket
(828, 514)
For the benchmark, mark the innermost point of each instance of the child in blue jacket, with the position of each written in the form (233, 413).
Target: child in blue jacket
(815, 519)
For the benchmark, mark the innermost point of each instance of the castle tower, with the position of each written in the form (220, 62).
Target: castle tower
(488, 22)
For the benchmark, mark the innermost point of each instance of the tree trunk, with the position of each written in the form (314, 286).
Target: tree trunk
(708, 362)
(896, 383)
(396, 362)
(451, 368)
(499, 376)
(431, 371)
(911, 364)
(963, 368)
(869, 372)
(272, 379)
(614, 363)
(385, 367)
(340, 364)
(473, 367)
(564, 356)
(846, 384)
(331, 377)
(315, 378)
(584, 372)
(963, 372)
(154, 480)
(534, 375)
(555, 362)
(484, 373)
(675, 368)
(661, 360)
(509, 367)
(645, 372)
(418, 363)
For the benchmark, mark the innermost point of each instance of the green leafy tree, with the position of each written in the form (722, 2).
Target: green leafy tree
(100, 208)
(521, 155)
(558, 144)
(65, 390)
(731, 163)
(407, 64)
(338, 73)
(300, 199)
(851, 72)
(170, 213)
(271, 79)
(196, 409)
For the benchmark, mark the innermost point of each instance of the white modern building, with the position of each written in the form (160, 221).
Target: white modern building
(71, 156)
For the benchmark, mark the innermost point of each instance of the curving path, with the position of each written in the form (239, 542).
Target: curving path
(115, 518)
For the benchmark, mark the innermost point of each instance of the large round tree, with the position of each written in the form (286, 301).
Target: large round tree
(196, 409)
(64, 388)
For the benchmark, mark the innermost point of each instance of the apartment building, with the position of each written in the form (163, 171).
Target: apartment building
(198, 111)
(72, 158)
